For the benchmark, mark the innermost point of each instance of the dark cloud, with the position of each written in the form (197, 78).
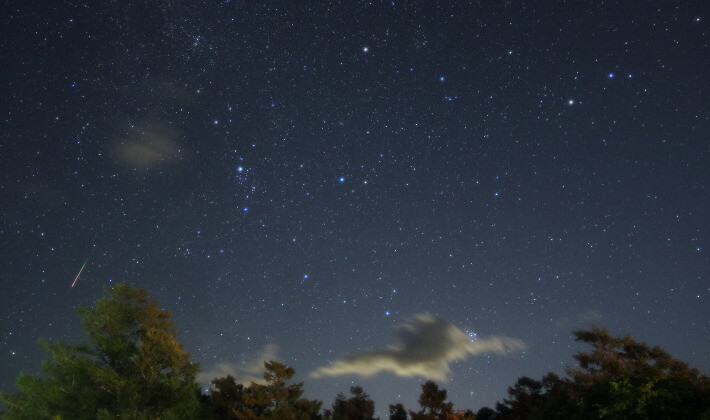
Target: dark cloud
(428, 345)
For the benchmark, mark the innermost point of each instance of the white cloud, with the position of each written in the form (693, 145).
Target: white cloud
(246, 371)
(428, 345)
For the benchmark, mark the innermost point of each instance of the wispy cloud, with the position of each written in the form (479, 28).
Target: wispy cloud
(427, 346)
(249, 369)
(148, 145)
(587, 317)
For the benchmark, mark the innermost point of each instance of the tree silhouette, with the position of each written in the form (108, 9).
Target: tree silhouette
(433, 403)
(133, 367)
(226, 398)
(357, 407)
(618, 378)
(276, 399)
(397, 412)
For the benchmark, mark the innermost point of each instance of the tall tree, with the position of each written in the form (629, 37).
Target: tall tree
(621, 377)
(358, 407)
(276, 399)
(618, 378)
(133, 367)
(397, 412)
(433, 403)
(226, 398)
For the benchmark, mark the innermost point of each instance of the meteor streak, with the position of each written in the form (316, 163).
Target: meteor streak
(77, 276)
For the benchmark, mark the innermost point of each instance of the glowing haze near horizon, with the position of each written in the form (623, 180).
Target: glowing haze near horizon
(375, 193)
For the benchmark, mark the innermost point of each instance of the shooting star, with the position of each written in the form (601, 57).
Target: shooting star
(77, 276)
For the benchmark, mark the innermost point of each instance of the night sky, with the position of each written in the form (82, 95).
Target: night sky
(341, 186)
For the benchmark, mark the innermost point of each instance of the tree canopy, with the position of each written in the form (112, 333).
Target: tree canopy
(276, 399)
(358, 407)
(132, 367)
(618, 378)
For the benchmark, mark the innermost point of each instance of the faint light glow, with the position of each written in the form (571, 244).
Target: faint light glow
(215, 122)
(365, 49)
(442, 78)
(473, 336)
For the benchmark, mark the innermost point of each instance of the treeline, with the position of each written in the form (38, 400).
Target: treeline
(134, 368)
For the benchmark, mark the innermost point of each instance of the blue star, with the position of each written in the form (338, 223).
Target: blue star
(342, 179)
(610, 75)
(442, 78)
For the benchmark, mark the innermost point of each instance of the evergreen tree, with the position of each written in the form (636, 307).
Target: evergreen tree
(618, 378)
(486, 413)
(225, 398)
(132, 368)
(276, 399)
(397, 412)
(357, 407)
(433, 403)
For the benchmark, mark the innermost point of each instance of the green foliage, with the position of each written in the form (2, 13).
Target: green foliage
(618, 378)
(225, 398)
(357, 407)
(433, 403)
(273, 400)
(132, 368)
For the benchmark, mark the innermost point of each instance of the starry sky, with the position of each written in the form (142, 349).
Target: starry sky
(339, 185)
